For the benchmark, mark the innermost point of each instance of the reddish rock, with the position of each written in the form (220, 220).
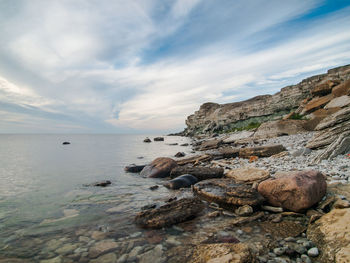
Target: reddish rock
(261, 151)
(317, 103)
(342, 89)
(294, 191)
(160, 167)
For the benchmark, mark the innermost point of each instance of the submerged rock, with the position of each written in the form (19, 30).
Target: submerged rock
(182, 181)
(66, 143)
(180, 154)
(248, 175)
(201, 173)
(133, 168)
(296, 191)
(261, 151)
(101, 183)
(227, 193)
(158, 139)
(170, 214)
(147, 140)
(160, 167)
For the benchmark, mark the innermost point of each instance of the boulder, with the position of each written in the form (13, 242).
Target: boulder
(160, 167)
(248, 175)
(342, 89)
(102, 183)
(180, 154)
(201, 173)
(147, 140)
(316, 103)
(272, 129)
(227, 193)
(182, 181)
(261, 151)
(338, 102)
(209, 144)
(295, 191)
(170, 214)
(158, 139)
(331, 234)
(133, 168)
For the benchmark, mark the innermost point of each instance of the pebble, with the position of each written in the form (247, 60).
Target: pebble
(134, 253)
(313, 252)
(279, 251)
(305, 259)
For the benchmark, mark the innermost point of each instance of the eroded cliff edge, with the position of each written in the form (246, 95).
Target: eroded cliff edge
(214, 117)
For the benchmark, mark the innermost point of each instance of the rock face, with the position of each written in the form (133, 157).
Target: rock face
(261, 151)
(332, 134)
(182, 181)
(212, 117)
(248, 175)
(272, 129)
(170, 214)
(201, 173)
(227, 193)
(294, 191)
(331, 233)
(160, 167)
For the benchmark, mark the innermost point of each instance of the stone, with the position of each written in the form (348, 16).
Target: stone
(65, 143)
(154, 187)
(313, 252)
(272, 129)
(339, 102)
(261, 151)
(181, 181)
(184, 144)
(272, 209)
(180, 154)
(133, 168)
(158, 139)
(102, 183)
(57, 259)
(66, 249)
(154, 255)
(228, 152)
(98, 235)
(170, 214)
(201, 173)
(209, 144)
(107, 258)
(316, 103)
(147, 140)
(248, 175)
(331, 234)
(134, 253)
(227, 193)
(296, 191)
(160, 168)
(102, 247)
(342, 89)
(245, 210)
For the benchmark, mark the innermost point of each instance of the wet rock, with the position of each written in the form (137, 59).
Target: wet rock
(170, 214)
(248, 175)
(261, 151)
(154, 256)
(154, 187)
(227, 193)
(331, 233)
(160, 167)
(65, 143)
(146, 207)
(158, 139)
(102, 247)
(180, 154)
(66, 249)
(102, 183)
(294, 191)
(98, 235)
(182, 181)
(246, 219)
(134, 253)
(245, 210)
(57, 259)
(108, 258)
(133, 168)
(147, 140)
(222, 253)
(201, 173)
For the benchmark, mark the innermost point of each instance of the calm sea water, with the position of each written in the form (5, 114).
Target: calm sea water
(42, 182)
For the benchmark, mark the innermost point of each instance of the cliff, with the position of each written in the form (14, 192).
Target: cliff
(213, 117)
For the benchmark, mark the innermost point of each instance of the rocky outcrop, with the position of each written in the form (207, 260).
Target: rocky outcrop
(294, 191)
(213, 117)
(170, 214)
(160, 167)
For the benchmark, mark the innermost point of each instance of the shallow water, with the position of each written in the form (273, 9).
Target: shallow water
(42, 192)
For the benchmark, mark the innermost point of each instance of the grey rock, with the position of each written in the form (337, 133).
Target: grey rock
(313, 252)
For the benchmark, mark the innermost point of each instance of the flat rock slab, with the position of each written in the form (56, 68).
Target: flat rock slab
(170, 214)
(201, 173)
(160, 168)
(340, 102)
(295, 191)
(227, 193)
(248, 175)
(261, 151)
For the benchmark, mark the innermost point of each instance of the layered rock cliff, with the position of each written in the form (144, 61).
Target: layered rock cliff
(213, 117)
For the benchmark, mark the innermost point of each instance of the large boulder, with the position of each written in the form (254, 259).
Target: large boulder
(296, 191)
(248, 175)
(227, 193)
(272, 129)
(170, 214)
(160, 167)
(201, 173)
(331, 234)
(261, 151)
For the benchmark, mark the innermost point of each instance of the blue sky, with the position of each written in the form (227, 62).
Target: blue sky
(80, 66)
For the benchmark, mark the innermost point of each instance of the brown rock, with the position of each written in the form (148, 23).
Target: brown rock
(316, 103)
(245, 210)
(272, 129)
(324, 88)
(222, 253)
(261, 151)
(342, 89)
(102, 247)
(170, 214)
(227, 193)
(210, 144)
(160, 167)
(295, 191)
(195, 159)
(201, 173)
(317, 116)
(228, 152)
(331, 234)
(248, 175)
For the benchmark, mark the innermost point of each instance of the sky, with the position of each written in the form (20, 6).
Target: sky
(141, 66)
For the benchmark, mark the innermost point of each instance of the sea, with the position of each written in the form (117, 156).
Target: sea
(46, 193)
